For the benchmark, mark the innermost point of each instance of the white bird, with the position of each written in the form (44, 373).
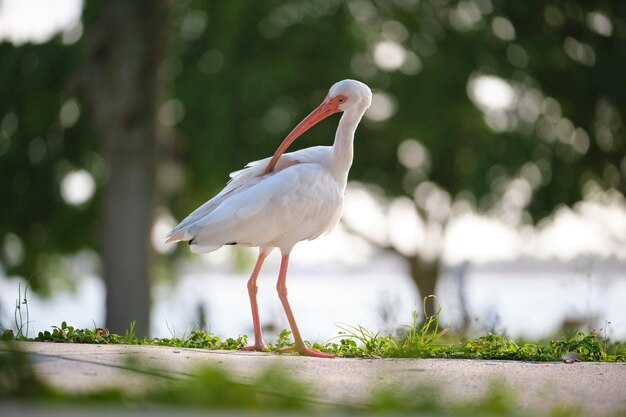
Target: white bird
(279, 201)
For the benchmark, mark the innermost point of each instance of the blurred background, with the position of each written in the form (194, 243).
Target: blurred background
(489, 170)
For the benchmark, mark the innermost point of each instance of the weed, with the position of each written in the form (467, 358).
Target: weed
(202, 340)
(589, 346)
(493, 346)
(7, 335)
(428, 332)
(130, 338)
(68, 334)
(420, 340)
(197, 339)
(357, 341)
(284, 341)
(21, 303)
(372, 344)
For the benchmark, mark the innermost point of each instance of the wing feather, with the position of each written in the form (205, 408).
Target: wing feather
(244, 179)
(286, 207)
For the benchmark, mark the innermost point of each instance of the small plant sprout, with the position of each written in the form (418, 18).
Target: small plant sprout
(21, 303)
(426, 333)
(130, 338)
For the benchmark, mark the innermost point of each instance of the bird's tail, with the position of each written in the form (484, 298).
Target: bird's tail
(174, 237)
(196, 248)
(194, 245)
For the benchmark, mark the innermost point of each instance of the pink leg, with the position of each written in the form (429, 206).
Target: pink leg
(281, 286)
(253, 289)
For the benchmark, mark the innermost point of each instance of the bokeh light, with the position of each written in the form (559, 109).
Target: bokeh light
(382, 108)
(77, 187)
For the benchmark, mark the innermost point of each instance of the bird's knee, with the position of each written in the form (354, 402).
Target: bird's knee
(282, 290)
(253, 288)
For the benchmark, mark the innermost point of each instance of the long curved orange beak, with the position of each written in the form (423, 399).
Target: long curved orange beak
(320, 113)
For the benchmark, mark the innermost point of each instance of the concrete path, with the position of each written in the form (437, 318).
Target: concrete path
(598, 387)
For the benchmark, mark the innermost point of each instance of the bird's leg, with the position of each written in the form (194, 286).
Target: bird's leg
(281, 287)
(253, 289)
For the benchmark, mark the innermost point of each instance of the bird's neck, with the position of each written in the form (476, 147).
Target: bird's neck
(343, 148)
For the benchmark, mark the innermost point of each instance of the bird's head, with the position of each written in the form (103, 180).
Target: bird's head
(349, 94)
(344, 96)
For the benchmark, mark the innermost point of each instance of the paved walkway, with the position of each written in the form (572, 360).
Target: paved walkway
(599, 387)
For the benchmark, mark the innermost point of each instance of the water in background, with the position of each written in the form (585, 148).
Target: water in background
(522, 298)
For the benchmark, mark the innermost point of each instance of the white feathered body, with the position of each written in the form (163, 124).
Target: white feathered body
(300, 200)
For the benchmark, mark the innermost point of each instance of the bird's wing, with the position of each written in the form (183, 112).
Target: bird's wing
(256, 169)
(244, 179)
(246, 204)
(294, 204)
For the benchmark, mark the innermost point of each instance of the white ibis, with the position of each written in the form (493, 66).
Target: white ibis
(279, 201)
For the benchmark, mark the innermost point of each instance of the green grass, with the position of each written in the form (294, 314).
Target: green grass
(419, 340)
(275, 390)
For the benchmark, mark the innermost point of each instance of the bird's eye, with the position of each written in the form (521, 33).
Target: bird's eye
(340, 99)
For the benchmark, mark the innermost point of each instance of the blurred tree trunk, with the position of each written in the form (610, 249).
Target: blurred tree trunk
(125, 49)
(425, 275)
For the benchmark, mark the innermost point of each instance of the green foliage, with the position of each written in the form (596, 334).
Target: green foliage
(417, 341)
(68, 334)
(589, 346)
(499, 400)
(422, 398)
(422, 340)
(37, 151)
(203, 340)
(8, 335)
(492, 346)
(253, 69)
(215, 388)
(429, 400)
(371, 344)
(284, 341)
(197, 339)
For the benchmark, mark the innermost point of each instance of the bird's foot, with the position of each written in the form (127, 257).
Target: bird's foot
(257, 347)
(307, 351)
